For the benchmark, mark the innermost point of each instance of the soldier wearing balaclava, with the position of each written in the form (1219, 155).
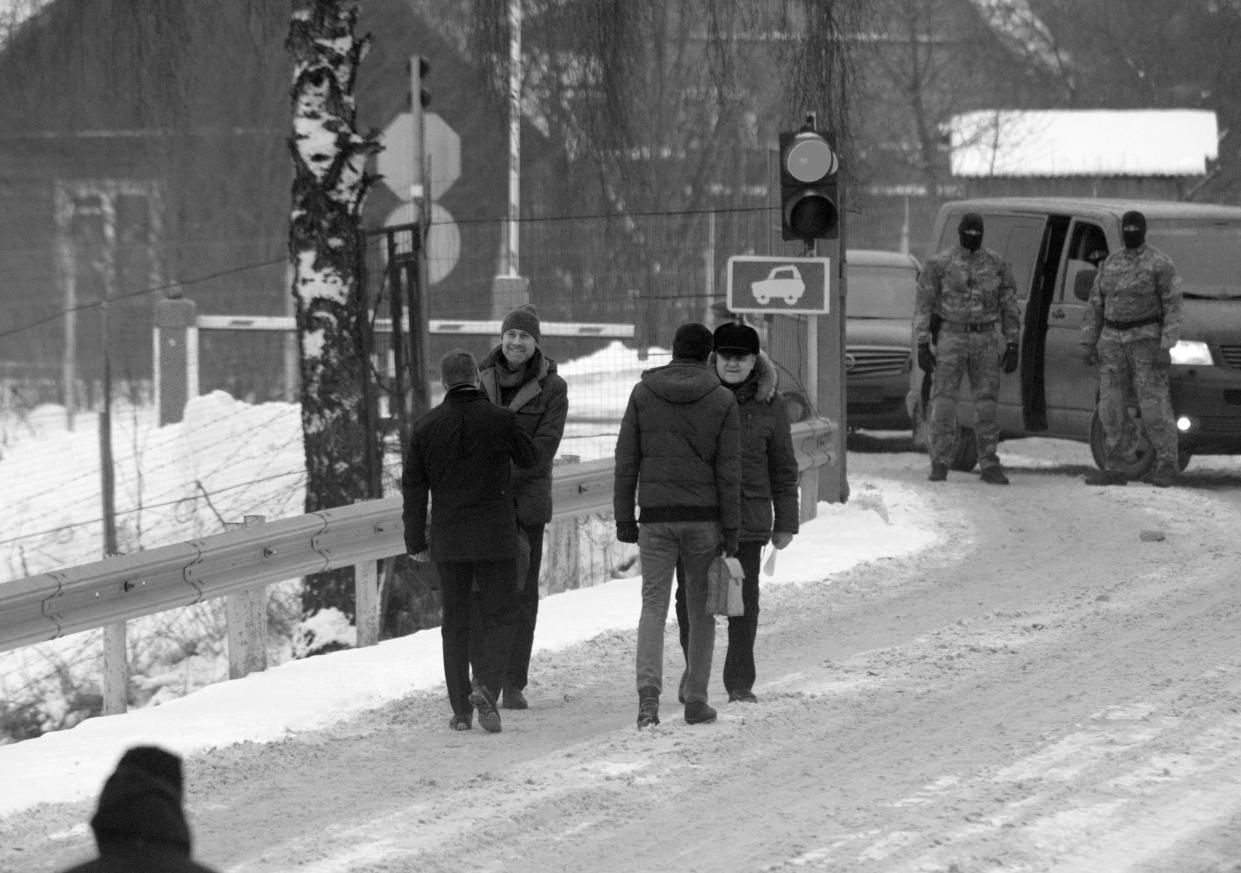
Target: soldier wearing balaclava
(1131, 325)
(970, 291)
(1133, 229)
(969, 231)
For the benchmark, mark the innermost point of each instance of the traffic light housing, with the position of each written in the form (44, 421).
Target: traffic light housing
(418, 67)
(809, 201)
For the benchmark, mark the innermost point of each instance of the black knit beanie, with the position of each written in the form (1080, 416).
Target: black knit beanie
(523, 318)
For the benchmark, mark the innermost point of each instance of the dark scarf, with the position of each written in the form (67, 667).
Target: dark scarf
(509, 380)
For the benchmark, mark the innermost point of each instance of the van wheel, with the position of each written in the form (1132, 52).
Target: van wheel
(967, 450)
(1134, 445)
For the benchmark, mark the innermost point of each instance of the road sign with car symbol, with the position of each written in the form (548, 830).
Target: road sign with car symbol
(787, 285)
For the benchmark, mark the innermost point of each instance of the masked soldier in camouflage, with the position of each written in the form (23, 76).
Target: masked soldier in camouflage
(1132, 321)
(971, 292)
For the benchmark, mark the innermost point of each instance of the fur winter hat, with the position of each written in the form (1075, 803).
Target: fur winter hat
(736, 338)
(523, 318)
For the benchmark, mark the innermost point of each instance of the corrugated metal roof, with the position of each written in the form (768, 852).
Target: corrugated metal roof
(1085, 142)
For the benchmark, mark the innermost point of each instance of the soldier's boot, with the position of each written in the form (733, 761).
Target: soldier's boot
(993, 475)
(939, 472)
(1159, 478)
(1106, 477)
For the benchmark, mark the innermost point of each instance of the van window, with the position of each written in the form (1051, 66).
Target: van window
(1019, 242)
(1087, 249)
(882, 292)
(1207, 254)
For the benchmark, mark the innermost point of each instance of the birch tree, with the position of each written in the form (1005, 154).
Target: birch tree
(326, 248)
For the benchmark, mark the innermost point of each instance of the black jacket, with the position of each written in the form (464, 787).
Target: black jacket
(460, 454)
(140, 828)
(541, 404)
(768, 464)
(679, 448)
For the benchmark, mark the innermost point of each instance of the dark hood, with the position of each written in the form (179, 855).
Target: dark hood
(681, 381)
(136, 806)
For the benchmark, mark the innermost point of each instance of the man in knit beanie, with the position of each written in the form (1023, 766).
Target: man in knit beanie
(678, 463)
(139, 824)
(517, 375)
(523, 318)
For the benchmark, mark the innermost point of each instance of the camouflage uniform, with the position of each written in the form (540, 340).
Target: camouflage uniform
(973, 293)
(1135, 311)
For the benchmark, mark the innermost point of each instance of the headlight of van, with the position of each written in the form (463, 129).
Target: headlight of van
(1192, 352)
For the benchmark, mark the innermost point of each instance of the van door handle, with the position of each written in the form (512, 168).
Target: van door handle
(1057, 313)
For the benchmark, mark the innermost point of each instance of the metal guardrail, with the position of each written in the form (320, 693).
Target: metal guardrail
(51, 605)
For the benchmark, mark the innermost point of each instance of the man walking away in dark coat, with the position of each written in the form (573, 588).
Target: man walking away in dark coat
(679, 454)
(140, 825)
(517, 375)
(460, 454)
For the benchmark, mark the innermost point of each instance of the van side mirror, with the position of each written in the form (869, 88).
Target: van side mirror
(1082, 283)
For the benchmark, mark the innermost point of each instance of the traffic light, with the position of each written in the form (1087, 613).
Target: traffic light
(418, 67)
(808, 196)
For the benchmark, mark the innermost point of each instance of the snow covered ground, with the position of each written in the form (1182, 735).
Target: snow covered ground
(228, 459)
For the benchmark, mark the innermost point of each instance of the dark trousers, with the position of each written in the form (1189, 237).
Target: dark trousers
(493, 641)
(742, 629)
(517, 674)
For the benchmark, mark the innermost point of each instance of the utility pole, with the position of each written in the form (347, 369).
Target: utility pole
(510, 289)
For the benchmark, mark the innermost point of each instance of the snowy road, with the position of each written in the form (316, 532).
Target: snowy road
(1049, 691)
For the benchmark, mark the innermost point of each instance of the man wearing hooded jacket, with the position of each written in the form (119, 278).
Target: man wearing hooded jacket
(678, 458)
(972, 291)
(517, 375)
(140, 825)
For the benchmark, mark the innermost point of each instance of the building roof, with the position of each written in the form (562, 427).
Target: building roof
(1083, 142)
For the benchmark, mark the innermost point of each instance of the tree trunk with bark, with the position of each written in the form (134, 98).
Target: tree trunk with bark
(327, 246)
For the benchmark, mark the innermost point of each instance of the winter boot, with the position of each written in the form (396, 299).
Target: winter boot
(513, 698)
(488, 715)
(648, 707)
(699, 712)
(1159, 478)
(993, 475)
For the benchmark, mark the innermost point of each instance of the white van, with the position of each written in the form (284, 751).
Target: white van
(1054, 245)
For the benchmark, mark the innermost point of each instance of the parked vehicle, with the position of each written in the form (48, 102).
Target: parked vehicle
(1054, 246)
(878, 334)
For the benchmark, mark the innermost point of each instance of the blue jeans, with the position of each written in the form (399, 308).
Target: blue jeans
(660, 545)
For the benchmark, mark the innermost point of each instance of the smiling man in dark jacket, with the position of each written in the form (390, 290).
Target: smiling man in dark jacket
(460, 455)
(517, 375)
(679, 453)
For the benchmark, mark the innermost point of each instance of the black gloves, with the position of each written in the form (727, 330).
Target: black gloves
(731, 544)
(1009, 361)
(926, 358)
(627, 531)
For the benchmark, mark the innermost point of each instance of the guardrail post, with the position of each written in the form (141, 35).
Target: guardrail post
(366, 600)
(562, 559)
(114, 684)
(115, 680)
(246, 614)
